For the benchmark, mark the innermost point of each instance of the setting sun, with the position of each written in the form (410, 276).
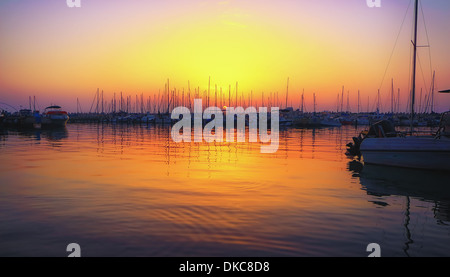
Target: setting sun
(67, 53)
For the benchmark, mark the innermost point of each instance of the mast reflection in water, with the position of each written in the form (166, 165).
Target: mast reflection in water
(129, 190)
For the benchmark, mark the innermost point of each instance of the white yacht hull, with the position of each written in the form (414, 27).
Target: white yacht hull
(408, 152)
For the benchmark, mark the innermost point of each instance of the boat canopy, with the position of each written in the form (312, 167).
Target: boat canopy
(445, 91)
(53, 107)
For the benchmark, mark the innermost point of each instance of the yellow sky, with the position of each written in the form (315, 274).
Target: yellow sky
(59, 54)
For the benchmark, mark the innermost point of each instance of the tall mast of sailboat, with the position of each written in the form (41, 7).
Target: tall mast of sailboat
(378, 101)
(287, 92)
(236, 100)
(209, 85)
(348, 101)
(414, 42)
(98, 100)
(303, 98)
(229, 95)
(314, 95)
(392, 96)
(358, 101)
(168, 95)
(432, 94)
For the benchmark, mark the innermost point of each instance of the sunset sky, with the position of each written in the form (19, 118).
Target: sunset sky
(59, 54)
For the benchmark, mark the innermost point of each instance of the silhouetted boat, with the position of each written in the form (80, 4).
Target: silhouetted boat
(384, 146)
(54, 116)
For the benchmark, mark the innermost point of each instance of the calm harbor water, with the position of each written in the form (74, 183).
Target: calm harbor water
(129, 190)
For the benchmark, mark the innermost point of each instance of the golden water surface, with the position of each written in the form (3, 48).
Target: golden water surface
(129, 190)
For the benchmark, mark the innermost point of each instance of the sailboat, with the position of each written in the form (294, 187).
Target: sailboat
(382, 145)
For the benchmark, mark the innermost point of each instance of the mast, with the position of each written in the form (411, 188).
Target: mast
(432, 94)
(189, 92)
(96, 110)
(168, 96)
(287, 92)
(348, 101)
(358, 101)
(337, 106)
(209, 85)
(414, 42)
(392, 96)
(215, 97)
(236, 100)
(314, 103)
(378, 101)
(229, 95)
(303, 98)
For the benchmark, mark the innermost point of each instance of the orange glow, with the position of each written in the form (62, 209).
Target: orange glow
(216, 187)
(61, 54)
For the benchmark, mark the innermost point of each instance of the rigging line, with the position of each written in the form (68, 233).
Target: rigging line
(418, 58)
(423, 76)
(92, 105)
(2, 103)
(395, 44)
(428, 40)
(409, 91)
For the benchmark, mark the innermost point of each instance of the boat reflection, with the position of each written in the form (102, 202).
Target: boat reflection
(385, 180)
(3, 136)
(51, 135)
(423, 185)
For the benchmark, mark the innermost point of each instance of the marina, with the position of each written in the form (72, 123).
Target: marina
(231, 129)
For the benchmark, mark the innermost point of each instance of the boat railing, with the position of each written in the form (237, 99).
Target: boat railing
(444, 126)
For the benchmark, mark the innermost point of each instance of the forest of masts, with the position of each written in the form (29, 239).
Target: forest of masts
(165, 101)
